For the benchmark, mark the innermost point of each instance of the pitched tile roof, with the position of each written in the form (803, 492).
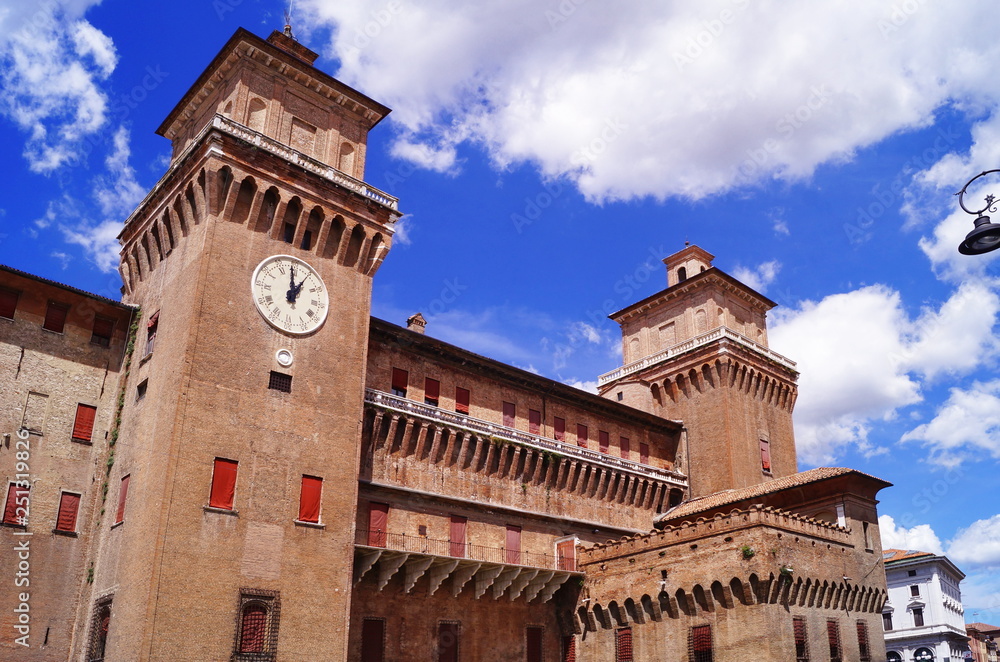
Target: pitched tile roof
(982, 627)
(726, 497)
(890, 555)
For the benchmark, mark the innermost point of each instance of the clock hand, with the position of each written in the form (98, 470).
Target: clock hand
(292, 293)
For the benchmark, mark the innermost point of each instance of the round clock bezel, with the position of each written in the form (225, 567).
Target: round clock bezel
(320, 318)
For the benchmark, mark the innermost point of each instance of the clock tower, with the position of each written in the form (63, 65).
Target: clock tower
(232, 491)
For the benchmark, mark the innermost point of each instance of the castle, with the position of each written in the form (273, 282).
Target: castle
(236, 462)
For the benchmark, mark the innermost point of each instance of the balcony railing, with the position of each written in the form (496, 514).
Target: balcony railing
(421, 545)
(693, 343)
(454, 419)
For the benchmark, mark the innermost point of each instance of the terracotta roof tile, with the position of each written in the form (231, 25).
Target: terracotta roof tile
(726, 497)
(890, 555)
(982, 627)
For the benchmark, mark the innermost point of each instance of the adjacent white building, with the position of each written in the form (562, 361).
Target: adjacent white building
(923, 616)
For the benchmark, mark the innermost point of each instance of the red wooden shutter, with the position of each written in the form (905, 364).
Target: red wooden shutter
(801, 647)
(569, 649)
(103, 329)
(122, 495)
(624, 443)
(432, 391)
(863, 642)
(513, 545)
(644, 453)
(603, 441)
(10, 506)
(566, 555)
(309, 499)
(372, 640)
(223, 484)
(83, 426)
(55, 317)
(559, 427)
(581, 435)
(8, 303)
(69, 504)
(833, 637)
(458, 536)
(701, 643)
(765, 455)
(461, 400)
(623, 645)
(378, 521)
(534, 421)
(400, 378)
(533, 637)
(509, 414)
(447, 642)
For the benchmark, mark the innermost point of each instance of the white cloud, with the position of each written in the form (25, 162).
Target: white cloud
(921, 537)
(118, 192)
(861, 357)
(590, 386)
(965, 426)
(51, 65)
(100, 241)
(640, 99)
(760, 276)
(977, 544)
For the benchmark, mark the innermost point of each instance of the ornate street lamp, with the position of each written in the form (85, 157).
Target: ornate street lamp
(985, 236)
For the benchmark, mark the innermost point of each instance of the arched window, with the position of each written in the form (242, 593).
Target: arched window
(893, 656)
(253, 628)
(256, 114)
(923, 655)
(682, 275)
(257, 626)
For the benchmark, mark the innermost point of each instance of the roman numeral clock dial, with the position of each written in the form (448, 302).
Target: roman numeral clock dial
(290, 294)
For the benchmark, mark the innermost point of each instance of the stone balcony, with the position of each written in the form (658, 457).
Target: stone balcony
(494, 571)
(692, 344)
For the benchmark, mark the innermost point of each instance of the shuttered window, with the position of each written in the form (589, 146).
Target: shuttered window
(801, 640)
(122, 496)
(8, 303)
(83, 426)
(863, 650)
(581, 435)
(69, 505)
(701, 643)
(310, 497)
(569, 649)
(644, 453)
(378, 522)
(513, 544)
(534, 421)
(457, 536)
(623, 645)
(509, 414)
(461, 400)
(400, 379)
(559, 428)
(566, 555)
(765, 455)
(55, 316)
(16, 500)
(603, 441)
(372, 640)
(223, 484)
(623, 443)
(533, 644)
(432, 391)
(103, 329)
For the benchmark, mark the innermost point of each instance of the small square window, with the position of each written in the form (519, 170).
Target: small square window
(104, 328)
(911, 573)
(280, 382)
(140, 390)
(55, 317)
(621, 396)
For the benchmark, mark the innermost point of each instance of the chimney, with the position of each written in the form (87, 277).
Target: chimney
(416, 322)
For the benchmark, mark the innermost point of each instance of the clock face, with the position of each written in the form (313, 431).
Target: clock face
(289, 294)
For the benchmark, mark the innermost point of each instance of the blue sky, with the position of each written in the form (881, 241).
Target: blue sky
(549, 154)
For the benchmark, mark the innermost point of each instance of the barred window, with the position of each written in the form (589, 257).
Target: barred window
(99, 625)
(833, 637)
(280, 382)
(623, 645)
(257, 626)
(569, 648)
(701, 643)
(801, 640)
(865, 653)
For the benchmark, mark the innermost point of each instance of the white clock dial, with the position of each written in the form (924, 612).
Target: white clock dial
(290, 294)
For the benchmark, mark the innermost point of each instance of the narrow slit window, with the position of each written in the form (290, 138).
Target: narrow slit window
(765, 455)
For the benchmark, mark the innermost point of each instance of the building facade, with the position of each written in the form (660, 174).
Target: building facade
(983, 641)
(923, 616)
(258, 470)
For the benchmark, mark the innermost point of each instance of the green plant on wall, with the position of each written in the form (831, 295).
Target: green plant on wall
(747, 551)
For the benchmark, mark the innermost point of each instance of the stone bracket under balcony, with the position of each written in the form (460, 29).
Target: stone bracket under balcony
(494, 580)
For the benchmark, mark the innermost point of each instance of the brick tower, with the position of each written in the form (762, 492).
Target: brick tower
(697, 351)
(231, 499)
